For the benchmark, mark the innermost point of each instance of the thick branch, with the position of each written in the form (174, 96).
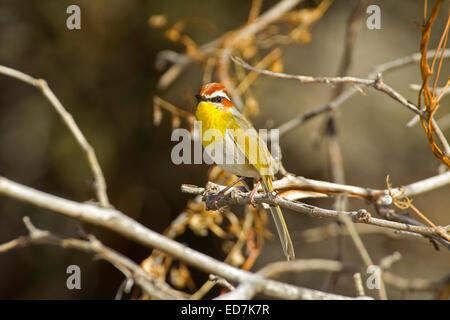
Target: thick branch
(237, 197)
(151, 285)
(118, 222)
(409, 190)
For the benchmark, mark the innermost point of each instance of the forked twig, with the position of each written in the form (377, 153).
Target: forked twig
(41, 84)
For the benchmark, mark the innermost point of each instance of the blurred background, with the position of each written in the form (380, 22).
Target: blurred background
(105, 76)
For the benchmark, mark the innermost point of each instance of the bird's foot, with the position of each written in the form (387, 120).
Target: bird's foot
(252, 194)
(213, 198)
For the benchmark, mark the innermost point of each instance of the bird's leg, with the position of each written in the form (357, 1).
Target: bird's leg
(253, 192)
(247, 182)
(222, 192)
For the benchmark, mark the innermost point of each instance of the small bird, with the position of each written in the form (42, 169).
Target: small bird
(233, 143)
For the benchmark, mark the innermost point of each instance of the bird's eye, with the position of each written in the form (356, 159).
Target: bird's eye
(218, 99)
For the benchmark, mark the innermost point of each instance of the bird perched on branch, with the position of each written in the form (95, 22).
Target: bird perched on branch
(233, 143)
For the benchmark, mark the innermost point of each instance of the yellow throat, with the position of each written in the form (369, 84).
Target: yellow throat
(214, 118)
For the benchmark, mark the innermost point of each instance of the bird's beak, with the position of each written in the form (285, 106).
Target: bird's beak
(199, 98)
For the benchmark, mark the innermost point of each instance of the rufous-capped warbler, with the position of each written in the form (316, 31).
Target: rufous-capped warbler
(236, 147)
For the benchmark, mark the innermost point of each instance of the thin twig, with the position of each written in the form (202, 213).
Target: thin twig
(440, 91)
(254, 10)
(247, 291)
(221, 281)
(362, 250)
(265, 19)
(330, 231)
(344, 96)
(181, 63)
(274, 269)
(389, 260)
(376, 83)
(331, 132)
(350, 37)
(335, 153)
(208, 285)
(246, 32)
(358, 284)
(41, 84)
(356, 239)
(415, 284)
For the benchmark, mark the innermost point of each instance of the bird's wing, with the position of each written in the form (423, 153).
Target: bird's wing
(250, 144)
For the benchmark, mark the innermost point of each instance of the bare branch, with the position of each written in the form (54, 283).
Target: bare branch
(412, 189)
(440, 91)
(181, 62)
(118, 222)
(335, 157)
(415, 284)
(344, 96)
(388, 261)
(41, 84)
(362, 250)
(152, 286)
(358, 284)
(304, 265)
(245, 291)
(221, 281)
(352, 29)
(356, 239)
(249, 30)
(238, 197)
(330, 230)
(376, 83)
(268, 17)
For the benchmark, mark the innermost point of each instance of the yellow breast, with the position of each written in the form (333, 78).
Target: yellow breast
(214, 118)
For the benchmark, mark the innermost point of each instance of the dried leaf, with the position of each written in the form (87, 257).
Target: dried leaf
(302, 35)
(217, 231)
(237, 258)
(154, 268)
(227, 245)
(298, 194)
(249, 52)
(252, 106)
(157, 21)
(277, 66)
(443, 293)
(176, 121)
(173, 35)
(179, 276)
(157, 115)
(198, 225)
(190, 121)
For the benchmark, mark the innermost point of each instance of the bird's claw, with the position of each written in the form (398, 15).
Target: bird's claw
(212, 201)
(252, 198)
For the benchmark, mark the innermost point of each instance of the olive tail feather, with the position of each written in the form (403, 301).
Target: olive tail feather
(283, 232)
(280, 224)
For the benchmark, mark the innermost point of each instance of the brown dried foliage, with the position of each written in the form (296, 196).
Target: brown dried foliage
(430, 97)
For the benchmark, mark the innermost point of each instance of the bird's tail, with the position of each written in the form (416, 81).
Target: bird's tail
(277, 215)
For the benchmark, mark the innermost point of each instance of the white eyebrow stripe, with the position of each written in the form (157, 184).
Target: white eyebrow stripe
(220, 93)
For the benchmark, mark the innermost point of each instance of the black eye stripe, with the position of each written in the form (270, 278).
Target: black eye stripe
(216, 99)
